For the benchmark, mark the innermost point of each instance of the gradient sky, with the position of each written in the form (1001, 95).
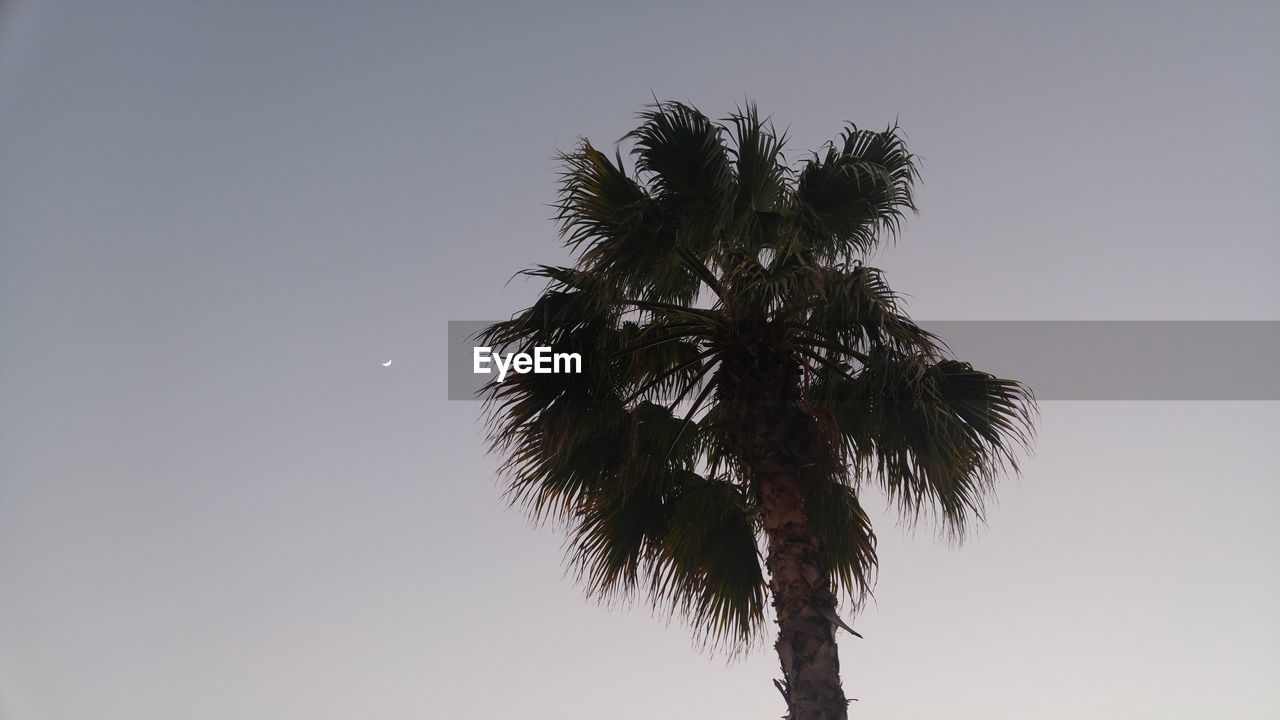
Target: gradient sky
(217, 219)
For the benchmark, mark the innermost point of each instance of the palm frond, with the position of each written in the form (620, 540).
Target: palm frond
(855, 307)
(687, 541)
(934, 433)
(622, 234)
(844, 529)
(683, 155)
(713, 572)
(760, 167)
(598, 201)
(848, 198)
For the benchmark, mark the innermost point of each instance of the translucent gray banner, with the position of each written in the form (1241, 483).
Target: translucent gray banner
(1066, 359)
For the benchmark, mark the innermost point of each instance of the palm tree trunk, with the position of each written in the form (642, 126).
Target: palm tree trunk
(759, 390)
(803, 601)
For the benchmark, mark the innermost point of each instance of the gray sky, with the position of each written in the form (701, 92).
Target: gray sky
(216, 219)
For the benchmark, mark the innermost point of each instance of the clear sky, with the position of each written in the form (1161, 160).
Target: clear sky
(217, 219)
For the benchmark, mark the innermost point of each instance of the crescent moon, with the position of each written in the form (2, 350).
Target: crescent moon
(386, 364)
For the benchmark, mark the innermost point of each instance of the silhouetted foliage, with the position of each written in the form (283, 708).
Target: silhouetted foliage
(746, 377)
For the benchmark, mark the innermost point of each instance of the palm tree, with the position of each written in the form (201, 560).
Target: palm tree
(745, 377)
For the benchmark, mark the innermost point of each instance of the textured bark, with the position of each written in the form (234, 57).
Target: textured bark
(803, 600)
(759, 389)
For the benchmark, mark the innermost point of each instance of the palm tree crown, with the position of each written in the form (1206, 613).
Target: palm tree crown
(745, 378)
